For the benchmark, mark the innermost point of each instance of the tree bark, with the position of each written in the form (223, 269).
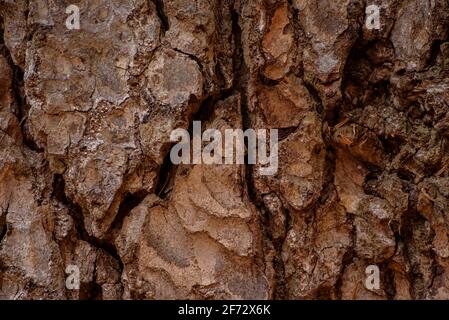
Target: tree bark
(86, 178)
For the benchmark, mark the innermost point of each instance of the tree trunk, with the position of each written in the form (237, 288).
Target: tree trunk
(92, 205)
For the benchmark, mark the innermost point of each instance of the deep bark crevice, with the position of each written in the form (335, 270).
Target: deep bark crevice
(21, 107)
(76, 212)
(411, 221)
(131, 201)
(165, 25)
(3, 224)
(240, 84)
(167, 173)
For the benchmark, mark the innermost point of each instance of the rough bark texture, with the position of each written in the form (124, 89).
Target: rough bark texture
(85, 122)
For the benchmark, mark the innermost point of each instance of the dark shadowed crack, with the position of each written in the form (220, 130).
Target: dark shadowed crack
(161, 14)
(76, 213)
(168, 170)
(241, 79)
(3, 225)
(21, 107)
(411, 221)
(166, 178)
(130, 201)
